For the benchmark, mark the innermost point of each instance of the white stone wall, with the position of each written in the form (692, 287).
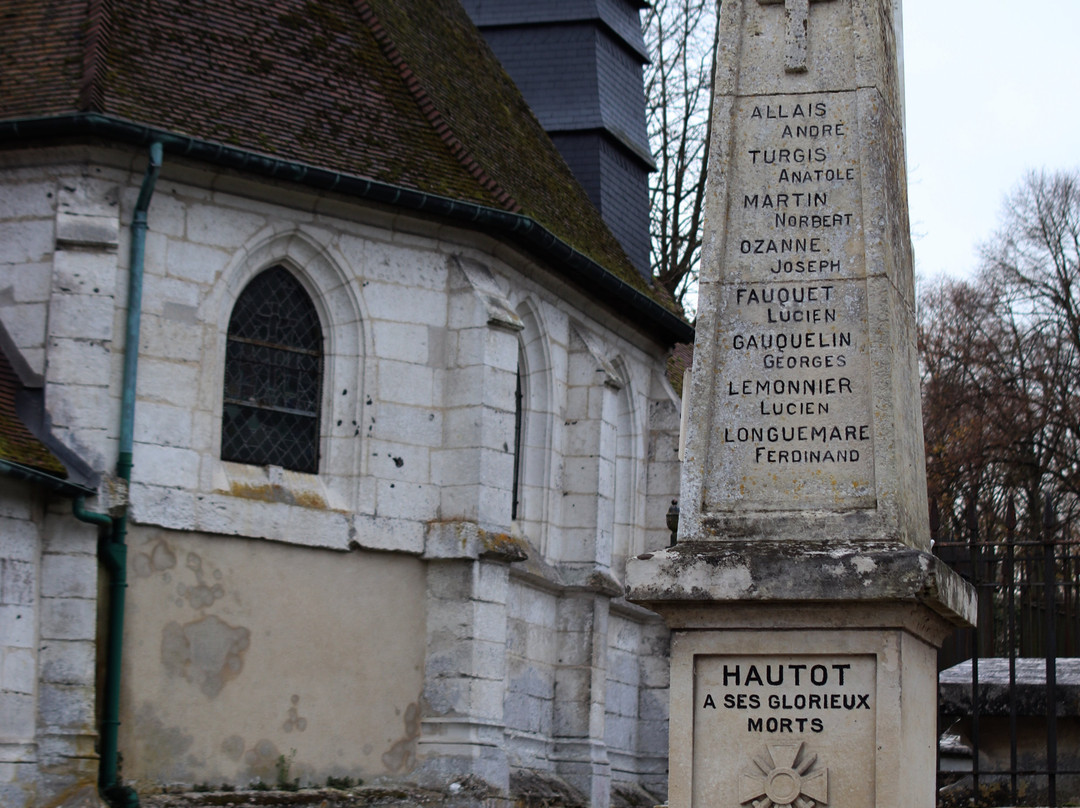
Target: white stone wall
(48, 609)
(20, 558)
(637, 703)
(531, 649)
(424, 326)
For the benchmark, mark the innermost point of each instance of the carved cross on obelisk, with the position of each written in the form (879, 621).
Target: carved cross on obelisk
(798, 13)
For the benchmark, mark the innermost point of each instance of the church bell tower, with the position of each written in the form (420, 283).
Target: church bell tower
(578, 63)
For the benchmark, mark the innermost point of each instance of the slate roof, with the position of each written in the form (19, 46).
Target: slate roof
(400, 92)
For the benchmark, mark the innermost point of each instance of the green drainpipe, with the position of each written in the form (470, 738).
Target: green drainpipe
(112, 550)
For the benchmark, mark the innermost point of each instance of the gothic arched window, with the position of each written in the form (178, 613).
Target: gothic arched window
(273, 376)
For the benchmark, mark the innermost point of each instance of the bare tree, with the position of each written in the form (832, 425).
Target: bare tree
(1001, 413)
(681, 38)
(1001, 364)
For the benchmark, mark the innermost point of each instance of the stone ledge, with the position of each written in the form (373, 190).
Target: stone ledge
(459, 539)
(469, 793)
(780, 572)
(997, 694)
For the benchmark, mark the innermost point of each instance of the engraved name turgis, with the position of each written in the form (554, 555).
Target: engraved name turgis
(799, 191)
(796, 374)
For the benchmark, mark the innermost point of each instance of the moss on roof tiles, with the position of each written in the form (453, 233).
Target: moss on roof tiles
(41, 55)
(487, 111)
(404, 92)
(302, 81)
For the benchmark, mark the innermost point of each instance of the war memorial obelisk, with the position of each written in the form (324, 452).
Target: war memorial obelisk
(805, 606)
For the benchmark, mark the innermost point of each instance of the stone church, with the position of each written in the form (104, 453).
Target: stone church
(332, 398)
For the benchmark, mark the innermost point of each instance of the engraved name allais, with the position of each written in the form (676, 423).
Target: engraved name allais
(801, 342)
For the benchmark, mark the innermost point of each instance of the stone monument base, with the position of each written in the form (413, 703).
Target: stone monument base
(802, 674)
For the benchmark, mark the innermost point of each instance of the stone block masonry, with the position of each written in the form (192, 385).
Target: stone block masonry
(385, 617)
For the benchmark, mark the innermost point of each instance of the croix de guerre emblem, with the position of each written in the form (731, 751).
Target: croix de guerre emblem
(782, 776)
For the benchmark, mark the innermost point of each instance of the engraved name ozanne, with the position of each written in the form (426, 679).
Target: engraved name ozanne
(786, 697)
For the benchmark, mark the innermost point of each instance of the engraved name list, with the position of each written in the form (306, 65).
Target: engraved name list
(794, 420)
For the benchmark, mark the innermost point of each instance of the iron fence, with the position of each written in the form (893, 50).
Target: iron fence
(1010, 688)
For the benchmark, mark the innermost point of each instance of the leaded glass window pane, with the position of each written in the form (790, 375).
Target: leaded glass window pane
(273, 376)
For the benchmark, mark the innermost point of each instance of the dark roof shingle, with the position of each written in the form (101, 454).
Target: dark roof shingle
(402, 92)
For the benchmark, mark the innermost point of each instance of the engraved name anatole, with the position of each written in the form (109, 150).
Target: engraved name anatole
(785, 697)
(805, 212)
(795, 347)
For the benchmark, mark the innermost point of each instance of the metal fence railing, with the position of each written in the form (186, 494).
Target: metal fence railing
(1009, 689)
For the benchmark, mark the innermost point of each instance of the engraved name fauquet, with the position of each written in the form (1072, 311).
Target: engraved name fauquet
(797, 379)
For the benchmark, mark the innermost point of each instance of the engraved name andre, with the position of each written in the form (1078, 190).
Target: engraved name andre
(796, 332)
(786, 698)
(803, 164)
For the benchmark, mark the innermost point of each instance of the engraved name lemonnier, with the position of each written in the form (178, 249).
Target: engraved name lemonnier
(802, 396)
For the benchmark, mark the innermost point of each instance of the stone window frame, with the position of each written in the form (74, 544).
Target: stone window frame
(630, 467)
(347, 355)
(537, 425)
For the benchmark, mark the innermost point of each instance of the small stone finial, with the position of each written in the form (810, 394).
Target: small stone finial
(673, 522)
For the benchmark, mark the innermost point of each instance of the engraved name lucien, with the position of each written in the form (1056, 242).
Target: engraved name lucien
(797, 378)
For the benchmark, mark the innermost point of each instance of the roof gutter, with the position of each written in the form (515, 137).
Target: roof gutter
(38, 477)
(571, 263)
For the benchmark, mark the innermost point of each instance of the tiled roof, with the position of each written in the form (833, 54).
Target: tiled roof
(17, 444)
(402, 92)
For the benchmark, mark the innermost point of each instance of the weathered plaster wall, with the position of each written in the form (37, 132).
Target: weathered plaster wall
(240, 651)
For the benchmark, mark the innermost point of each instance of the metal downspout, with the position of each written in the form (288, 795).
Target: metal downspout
(112, 550)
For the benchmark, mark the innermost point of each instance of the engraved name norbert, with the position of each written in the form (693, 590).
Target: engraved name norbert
(796, 379)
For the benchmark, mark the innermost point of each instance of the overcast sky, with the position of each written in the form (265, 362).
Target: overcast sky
(993, 91)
